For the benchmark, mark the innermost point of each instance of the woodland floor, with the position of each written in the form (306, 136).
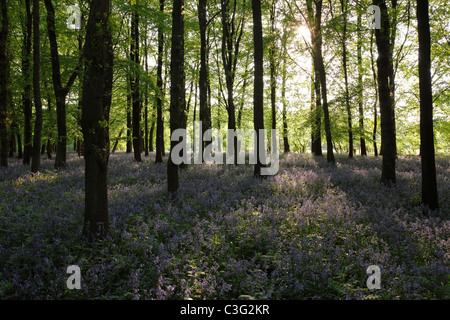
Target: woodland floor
(310, 232)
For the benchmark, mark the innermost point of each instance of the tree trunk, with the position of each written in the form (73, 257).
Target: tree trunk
(49, 147)
(344, 65)
(375, 114)
(60, 91)
(4, 84)
(160, 92)
(283, 99)
(94, 119)
(205, 108)
(117, 141)
(129, 147)
(384, 64)
(429, 184)
(177, 89)
(258, 93)
(272, 52)
(146, 138)
(362, 141)
(320, 68)
(12, 142)
(19, 146)
(314, 26)
(316, 128)
(36, 151)
(26, 71)
(231, 37)
(135, 95)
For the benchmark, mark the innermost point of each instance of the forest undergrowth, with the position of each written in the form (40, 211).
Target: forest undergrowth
(310, 232)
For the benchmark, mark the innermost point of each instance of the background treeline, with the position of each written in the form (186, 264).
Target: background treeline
(319, 74)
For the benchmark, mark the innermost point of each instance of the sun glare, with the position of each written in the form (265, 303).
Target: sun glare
(303, 33)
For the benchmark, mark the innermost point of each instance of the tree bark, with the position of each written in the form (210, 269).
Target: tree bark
(36, 151)
(258, 93)
(205, 108)
(19, 146)
(160, 92)
(129, 147)
(375, 113)
(177, 89)
(135, 94)
(362, 141)
(4, 85)
(384, 65)
(60, 91)
(286, 145)
(27, 94)
(320, 68)
(98, 50)
(272, 52)
(429, 184)
(231, 38)
(316, 107)
(344, 66)
(146, 137)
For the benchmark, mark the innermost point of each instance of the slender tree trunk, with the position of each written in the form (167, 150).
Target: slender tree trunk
(129, 147)
(344, 65)
(316, 128)
(429, 184)
(362, 141)
(117, 141)
(27, 94)
(258, 93)
(272, 53)
(4, 84)
(146, 142)
(152, 134)
(60, 91)
(375, 113)
(19, 146)
(384, 64)
(12, 141)
(36, 151)
(205, 108)
(135, 94)
(160, 92)
(98, 49)
(284, 102)
(323, 84)
(231, 37)
(314, 25)
(177, 89)
(49, 147)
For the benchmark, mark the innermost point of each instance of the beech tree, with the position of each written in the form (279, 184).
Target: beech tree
(315, 26)
(258, 91)
(134, 85)
(232, 30)
(36, 150)
(60, 90)
(429, 184)
(3, 84)
(205, 107)
(96, 99)
(26, 72)
(384, 66)
(160, 90)
(177, 89)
